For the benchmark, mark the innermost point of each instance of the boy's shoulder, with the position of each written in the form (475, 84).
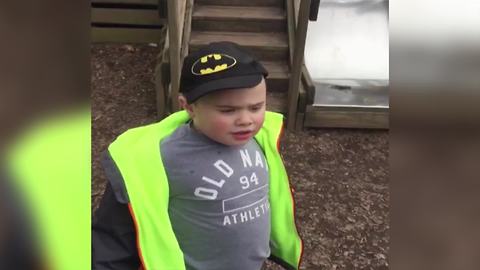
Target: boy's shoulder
(177, 136)
(185, 141)
(152, 132)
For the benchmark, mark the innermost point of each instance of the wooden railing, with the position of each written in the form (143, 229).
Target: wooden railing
(299, 12)
(179, 13)
(176, 16)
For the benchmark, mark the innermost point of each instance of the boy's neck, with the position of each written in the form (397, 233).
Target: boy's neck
(191, 124)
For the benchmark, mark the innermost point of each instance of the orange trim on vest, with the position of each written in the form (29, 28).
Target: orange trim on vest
(279, 137)
(296, 227)
(142, 266)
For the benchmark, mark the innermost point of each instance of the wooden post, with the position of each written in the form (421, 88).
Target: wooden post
(291, 22)
(187, 28)
(300, 38)
(174, 51)
(160, 76)
(176, 17)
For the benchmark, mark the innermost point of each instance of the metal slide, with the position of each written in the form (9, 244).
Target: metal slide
(347, 54)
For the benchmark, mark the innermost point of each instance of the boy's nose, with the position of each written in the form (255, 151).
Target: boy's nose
(244, 119)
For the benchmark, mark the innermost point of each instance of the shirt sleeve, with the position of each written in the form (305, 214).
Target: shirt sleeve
(113, 236)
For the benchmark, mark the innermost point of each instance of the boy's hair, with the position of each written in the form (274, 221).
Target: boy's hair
(219, 66)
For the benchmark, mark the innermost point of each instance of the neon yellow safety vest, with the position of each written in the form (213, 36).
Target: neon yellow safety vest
(136, 154)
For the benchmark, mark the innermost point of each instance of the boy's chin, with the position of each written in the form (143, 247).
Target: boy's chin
(231, 141)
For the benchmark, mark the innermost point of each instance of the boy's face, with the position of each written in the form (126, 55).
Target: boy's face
(231, 117)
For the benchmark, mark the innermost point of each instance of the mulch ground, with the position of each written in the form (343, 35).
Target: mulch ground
(340, 176)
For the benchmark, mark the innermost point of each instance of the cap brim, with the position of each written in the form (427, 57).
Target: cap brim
(245, 81)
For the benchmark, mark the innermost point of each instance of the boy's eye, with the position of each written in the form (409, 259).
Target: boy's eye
(256, 108)
(227, 110)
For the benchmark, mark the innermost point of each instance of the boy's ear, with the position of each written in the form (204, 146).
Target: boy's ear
(184, 104)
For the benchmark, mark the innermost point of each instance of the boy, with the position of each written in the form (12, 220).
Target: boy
(206, 187)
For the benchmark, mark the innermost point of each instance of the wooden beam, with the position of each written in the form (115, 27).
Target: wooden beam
(125, 16)
(300, 37)
(347, 117)
(300, 121)
(308, 84)
(187, 29)
(125, 35)
(290, 29)
(162, 76)
(296, 8)
(302, 98)
(174, 51)
(133, 2)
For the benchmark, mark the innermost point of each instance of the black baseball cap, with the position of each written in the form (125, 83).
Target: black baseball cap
(219, 66)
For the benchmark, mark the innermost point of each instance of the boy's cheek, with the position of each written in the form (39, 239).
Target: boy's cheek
(260, 119)
(220, 124)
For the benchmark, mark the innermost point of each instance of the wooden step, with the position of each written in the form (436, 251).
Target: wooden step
(126, 2)
(239, 18)
(278, 75)
(125, 16)
(278, 3)
(125, 35)
(271, 46)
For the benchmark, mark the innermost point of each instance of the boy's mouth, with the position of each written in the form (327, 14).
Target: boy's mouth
(242, 135)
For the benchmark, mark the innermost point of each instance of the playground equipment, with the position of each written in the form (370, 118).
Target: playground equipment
(341, 82)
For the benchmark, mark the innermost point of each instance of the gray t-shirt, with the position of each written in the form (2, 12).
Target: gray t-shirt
(219, 207)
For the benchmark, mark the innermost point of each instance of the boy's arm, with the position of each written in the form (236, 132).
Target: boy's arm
(113, 236)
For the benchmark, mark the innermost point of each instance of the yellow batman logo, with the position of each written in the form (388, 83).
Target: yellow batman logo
(213, 63)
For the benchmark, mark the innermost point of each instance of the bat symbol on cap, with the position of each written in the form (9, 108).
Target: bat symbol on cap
(213, 63)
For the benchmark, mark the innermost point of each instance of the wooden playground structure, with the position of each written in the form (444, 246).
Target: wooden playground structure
(273, 30)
